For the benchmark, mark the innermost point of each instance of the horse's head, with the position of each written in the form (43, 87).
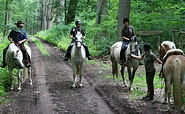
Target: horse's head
(16, 55)
(78, 39)
(134, 46)
(164, 47)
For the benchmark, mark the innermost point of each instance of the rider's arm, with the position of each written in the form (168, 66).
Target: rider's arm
(20, 42)
(159, 61)
(10, 39)
(71, 36)
(137, 57)
(125, 38)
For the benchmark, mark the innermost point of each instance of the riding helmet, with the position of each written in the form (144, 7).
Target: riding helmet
(78, 22)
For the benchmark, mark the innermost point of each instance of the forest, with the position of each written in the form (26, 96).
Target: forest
(52, 20)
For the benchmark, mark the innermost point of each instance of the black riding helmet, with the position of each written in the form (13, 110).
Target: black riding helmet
(125, 20)
(147, 46)
(78, 22)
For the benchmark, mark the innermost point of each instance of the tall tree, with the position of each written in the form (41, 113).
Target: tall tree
(71, 11)
(43, 14)
(7, 17)
(102, 10)
(59, 11)
(123, 12)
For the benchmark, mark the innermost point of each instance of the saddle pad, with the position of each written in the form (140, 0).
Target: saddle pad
(173, 52)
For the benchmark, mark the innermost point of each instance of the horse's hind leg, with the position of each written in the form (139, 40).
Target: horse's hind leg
(122, 74)
(29, 76)
(11, 79)
(167, 92)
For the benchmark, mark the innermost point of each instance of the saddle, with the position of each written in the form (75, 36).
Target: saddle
(169, 53)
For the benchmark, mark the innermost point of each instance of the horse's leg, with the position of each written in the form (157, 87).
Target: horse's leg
(122, 74)
(74, 76)
(29, 76)
(131, 74)
(80, 74)
(168, 91)
(11, 79)
(20, 72)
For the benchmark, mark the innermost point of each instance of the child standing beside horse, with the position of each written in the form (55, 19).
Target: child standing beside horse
(149, 57)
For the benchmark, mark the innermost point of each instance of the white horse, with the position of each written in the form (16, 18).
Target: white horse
(131, 63)
(78, 57)
(13, 59)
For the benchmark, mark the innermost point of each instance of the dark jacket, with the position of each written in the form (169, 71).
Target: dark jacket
(18, 36)
(75, 29)
(128, 32)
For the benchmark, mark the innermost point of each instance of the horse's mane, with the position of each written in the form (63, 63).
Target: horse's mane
(169, 44)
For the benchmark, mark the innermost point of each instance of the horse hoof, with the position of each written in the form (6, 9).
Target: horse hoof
(31, 84)
(11, 88)
(80, 85)
(19, 89)
(73, 86)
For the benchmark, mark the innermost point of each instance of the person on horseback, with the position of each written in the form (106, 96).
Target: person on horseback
(149, 57)
(127, 34)
(18, 36)
(72, 35)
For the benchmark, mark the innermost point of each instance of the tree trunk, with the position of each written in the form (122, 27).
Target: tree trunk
(6, 19)
(43, 14)
(102, 11)
(71, 11)
(123, 12)
(59, 12)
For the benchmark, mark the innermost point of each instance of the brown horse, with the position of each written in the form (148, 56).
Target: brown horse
(174, 72)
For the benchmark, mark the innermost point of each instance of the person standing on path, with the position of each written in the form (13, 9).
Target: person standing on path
(149, 57)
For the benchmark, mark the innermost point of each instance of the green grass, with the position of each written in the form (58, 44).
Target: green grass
(40, 46)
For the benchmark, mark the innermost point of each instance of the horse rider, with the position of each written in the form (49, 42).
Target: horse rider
(149, 57)
(72, 35)
(127, 34)
(18, 36)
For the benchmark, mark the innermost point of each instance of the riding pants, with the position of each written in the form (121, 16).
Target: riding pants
(68, 53)
(26, 57)
(123, 49)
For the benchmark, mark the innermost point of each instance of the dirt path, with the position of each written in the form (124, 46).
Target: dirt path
(52, 93)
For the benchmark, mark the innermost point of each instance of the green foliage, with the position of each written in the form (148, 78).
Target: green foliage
(59, 36)
(41, 47)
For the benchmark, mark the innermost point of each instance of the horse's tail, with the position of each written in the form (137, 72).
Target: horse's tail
(177, 89)
(114, 63)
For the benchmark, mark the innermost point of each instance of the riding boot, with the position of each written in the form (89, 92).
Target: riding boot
(122, 56)
(4, 55)
(87, 52)
(26, 57)
(68, 52)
